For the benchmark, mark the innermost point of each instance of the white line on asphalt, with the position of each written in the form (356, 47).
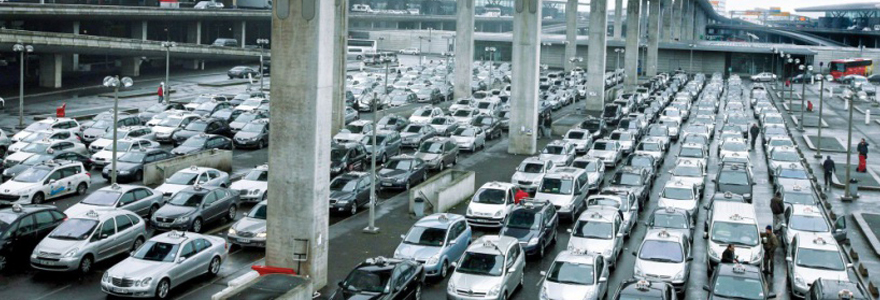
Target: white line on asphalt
(54, 292)
(219, 229)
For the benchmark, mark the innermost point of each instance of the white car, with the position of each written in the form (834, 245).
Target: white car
(693, 152)
(576, 275)
(608, 151)
(559, 152)
(477, 272)
(193, 176)
(529, 173)
(778, 142)
(354, 131)
(105, 156)
(469, 138)
(47, 181)
(812, 256)
(580, 138)
(463, 103)
(253, 186)
(665, 256)
(681, 195)
(251, 104)
(166, 128)
(410, 51)
(155, 119)
(424, 114)
(689, 172)
(491, 204)
(672, 114)
(595, 169)
(464, 116)
(782, 156)
(652, 147)
(44, 147)
(763, 77)
(50, 123)
(139, 132)
(598, 231)
(42, 135)
(729, 146)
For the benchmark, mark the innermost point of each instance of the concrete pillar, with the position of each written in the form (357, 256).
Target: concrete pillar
(139, 30)
(74, 64)
(526, 58)
(302, 51)
(570, 33)
(666, 21)
(50, 70)
(595, 101)
(339, 65)
(700, 28)
(677, 9)
(631, 61)
(194, 32)
(653, 38)
(618, 19)
(238, 32)
(689, 20)
(131, 66)
(464, 48)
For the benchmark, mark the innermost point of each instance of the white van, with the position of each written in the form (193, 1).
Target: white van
(733, 223)
(488, 105)
(566, 188)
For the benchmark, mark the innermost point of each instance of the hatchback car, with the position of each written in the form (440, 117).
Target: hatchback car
(598, 230)
(530, 172)
(608, 151)
(533, 224)
(491, 204)
(469, 138)
(192, 207)
(664, 256)
(382, 278)
(491, 268)
(436, 241)
(735, 178)
(559, 152)
(50, 180)
(438, 153)
(140, 200)
(680, 195)
(672, 220)
(576, 275)
(22, 227)
(192, 176)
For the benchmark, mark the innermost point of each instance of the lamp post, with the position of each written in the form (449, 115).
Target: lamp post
(821, 78)
(371, 227)
(574, 61)
(167, 90)
(788, 62)
(691, 66)
(22, 50)
(262, 43)
(565, 44)
(773, 62)
(619, 51)
(806, 73)
(491, 51)
(781, 69)
(430, 38)
(115, 83)
(863, 96)
(791, 83)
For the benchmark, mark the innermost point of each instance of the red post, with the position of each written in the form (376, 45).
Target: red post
(59, 112)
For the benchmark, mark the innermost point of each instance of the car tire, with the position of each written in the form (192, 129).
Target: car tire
(424, 176)
(139, 176)
(541, 250)
(230, 214)
(2, 152)
(38, 198)
(163, 289)
(214, 266)
(153, 210)
(82, 188)
(455, 161)
(137, 244)
(196, 225)
(85, 265)
(354, 208)
(418, 293)
(261, 144)
(444, 269)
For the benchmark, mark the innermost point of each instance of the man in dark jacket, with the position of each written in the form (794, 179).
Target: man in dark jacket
(548, 126)
(863, 156)
(829, 168)
(729, 256)
(754, 134)
(770, 243)
(777, 207)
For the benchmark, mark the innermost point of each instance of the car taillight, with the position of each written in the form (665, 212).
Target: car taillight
(89, 174)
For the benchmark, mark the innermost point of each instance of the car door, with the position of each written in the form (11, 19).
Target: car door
(126, 234)
(105, 240)
(362, 194)
(25, 236)
(56, 185)
(211, 207)
(128, 201)
(144, 201)
(840, 230)
(214, 178)
(187, 262)
(45, 223)
(204, 179)
(551, 222)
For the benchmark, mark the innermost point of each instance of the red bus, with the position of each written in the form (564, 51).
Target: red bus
(851, 66)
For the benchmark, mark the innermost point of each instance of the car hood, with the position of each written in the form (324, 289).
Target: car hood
(17, 146)
(601, 153)
(185, 150)
(57, 246)
(577, 142)
(592, 245)
(185, 134)
(341, 195)
(121, 166)
(698, 181)
(174, 211)
(522, 176)
(555, 199)
(788, 182)
(391, 173)
(94, 132)
(15, 170)
(658, 269)
(426, 156)
(348, 136)
(419, 119)
(19, 156)
(20, 135)
(101, 143)
(462, 120)
(521, 234)
(557, 159)
(138, 268)
(166, 188)
(688, 205)
(80, 208)
(249, 185)
(415, 252)
(107, 154)
(246, 135)
(810, 275)
(568, 291)
(484, 209)
(13, 187)
(247, 224)
(163, 129)
(475, 283)
(744, 253)
(405, 135)
(440, 128)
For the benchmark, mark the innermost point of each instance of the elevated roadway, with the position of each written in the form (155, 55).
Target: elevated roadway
(801, 36)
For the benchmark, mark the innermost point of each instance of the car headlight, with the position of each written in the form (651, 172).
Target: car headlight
(533, 241)
(679, 276)
(123, 172)
(637, 270)
(756, 256)
(450, 288)
(607, 253)
(712, 252)
(433, 260)
(143, 282)
(261, 235)
(400, 180)
(749, 195)
(71, 253)
(469, 212)
(255, 191)
(544, 295)
(182, 219)
(106, 277)
(498, 213)
(494, 291)
(799, 281)
(232, 231)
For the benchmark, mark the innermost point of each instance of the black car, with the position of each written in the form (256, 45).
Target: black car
(22, 227)
(491, 125)
(735, 178)
(382, 278)
(203, 142)
(40, 158)
(737, 281)
(596, 126)
(242, 72)
(402, 172)
(645, 290)
(612, 113)
(130, 165)
(347, 157)
(227, 114)
(253, 135)
(200, 126)
(350, 191)
(835, 289)
(636, 180)
(534, 224)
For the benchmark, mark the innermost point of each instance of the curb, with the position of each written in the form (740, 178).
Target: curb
(864, 226)
(813, 147)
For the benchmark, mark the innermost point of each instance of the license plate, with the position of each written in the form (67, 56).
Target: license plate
(118, 290)
(386, 184)
(244, 240)
(47, 262)
(159, 224)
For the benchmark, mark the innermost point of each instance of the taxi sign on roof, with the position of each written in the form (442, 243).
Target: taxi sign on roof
(739, 268)
(177, 234)
(819, 241)
(643, 285)
(736, 217)
(92, 214)
(16, 207)
(728, 194)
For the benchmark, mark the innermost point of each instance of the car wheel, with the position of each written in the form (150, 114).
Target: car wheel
(81, 188)
(85, 265)
(163, 289)
(424, 176)
(444, 269)
(197, 225)
(442, 166)
(354, 208)
(541, 251)
(418, 293)
(137, 244)
(38, 198)
(408, 185)
(214, 267)
(153, 210)
(230, 215)
(261, 144)
(139, 176)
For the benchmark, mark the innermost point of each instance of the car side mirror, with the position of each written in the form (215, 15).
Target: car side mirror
(689, 259)
(452, 242)
(603, 279)
(783, 225)
(705, 235)
(788, 258)
(181, 259)
(120, 204)
(543, 273)
(620, 235)
(850, 265)
(52, 181)
(706, 287)
(402, 236)
(634, 253)
(339, 284)
(104, 236)
(511, 270)
(454, 265)
(771, 296)
(569, 230)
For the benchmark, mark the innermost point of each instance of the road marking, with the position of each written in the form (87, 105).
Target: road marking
(54, 292)
(219, 229)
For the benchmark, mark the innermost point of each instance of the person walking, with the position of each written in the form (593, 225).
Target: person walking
(754, 131)
(862, 148)
(161, 92)
(548, 124)
(770, 243)
(777, 207)
(829, 168)
(729, 256)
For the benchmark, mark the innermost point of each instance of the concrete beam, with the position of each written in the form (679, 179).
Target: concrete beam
(194, 32)
(689, 20)
(139, 30)
(50, 70)
(571, 30)
(618, 19)
(631, 61)
(596, 59)
(131, 66)
(700, 24)
(74, 63)
(302, 50)
(677, 8)
(464, 48)
(524, 95)
(653, 38)
(666, 21)
(239, 32)
(340, 39)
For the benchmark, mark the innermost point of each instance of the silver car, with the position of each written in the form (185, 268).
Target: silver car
(85, 239)
(576, 275)
(560, 152)
(164, 262)
(664, 256)
(195, 206)
(138, 199)
(491, 268)
(251, 229)
(191, 176)
(598, 230)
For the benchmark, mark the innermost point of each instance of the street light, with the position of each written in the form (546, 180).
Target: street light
(491, 50)
(22, 50)
(804, 95)
(821, 78)
(781, 70)
(371, 227)
(262, 43)
(115, 83)
(788, 62)
(791, 83)
(619, 51)
(574, 61)
(862, 96)
(167, 90)
(565, 44)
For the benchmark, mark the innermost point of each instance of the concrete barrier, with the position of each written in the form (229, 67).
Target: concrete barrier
(444, 190)
(155, 173)
(271, 286)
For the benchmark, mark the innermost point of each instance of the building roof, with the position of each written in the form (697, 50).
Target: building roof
(841, 7)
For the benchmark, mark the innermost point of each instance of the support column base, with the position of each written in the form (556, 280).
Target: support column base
(817, 156)
(371, 230)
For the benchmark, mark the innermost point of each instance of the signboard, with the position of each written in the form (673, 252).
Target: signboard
(775, 10)
(783, 14)
(752, 13)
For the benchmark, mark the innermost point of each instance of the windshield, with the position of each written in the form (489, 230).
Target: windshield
(589, 166)
(687, 171)
(570, 273)
(627, 179)
(133, 157)
(102, 198)
(355, 128)
(462, 113)
(490, 196)
(732, 146)
(423, 113)
(735, 233)
(799, 198)
(438, 121)
(35, 148)
(400, 164)
(661, 251)
(575, 135)
(36, 159)
(733, 178)
(651, 147)
(674, 221)
(425, 236)
(593, 230)
(101, 124)
(257, 175)
(367, 281)
(258, 212)
(526, 167)
(32, 175)
(463, 102)
(197, 126)
(785, 156)
(793, 173)
(603, 146)
(550, 149)
(524, 219)
(245, 118)
(157, 251)
(413, 128)
(557, 186)
(691, 152)
(431, 147)
(74, 229)
(808, 223)
(343, 184)
(467, 132)
(820, 259)
(195, 142)
(481, 264)
(739, 287)
(253, 127)
(170, 122)
(658, 131)
(183, 178)
(186, 199)
(617, 136)
(36, 136)
(678, 193)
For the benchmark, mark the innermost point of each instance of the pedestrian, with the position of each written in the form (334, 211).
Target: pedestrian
(809, 105)
(161, 92)
(548, 124)
(863, 157)
(519, 196)
(770, 242)
(754, 134)
(829, 168)
(729, 256)
(777, 207)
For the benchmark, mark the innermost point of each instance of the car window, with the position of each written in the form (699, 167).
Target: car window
(108, 228)
(44, 219)
(26, 224)
(221, 194)
(203, 178)
(142, 193)
(188, 250)
(56, 175)
(210, 198)
(127, 198)
(57, 215)
(122, 223)
(364, 183)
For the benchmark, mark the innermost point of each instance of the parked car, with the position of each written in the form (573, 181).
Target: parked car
(437, 241)
(22, 227)
(191, 208)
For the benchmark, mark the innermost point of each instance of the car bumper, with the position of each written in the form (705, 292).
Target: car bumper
(340, 206)
(246, 242)
(164, 139)
(55, 264)
(484, 221)
(133, 292)
(250, 198)
(457, 296)
(392, 184)
(169, 226)
(410, 144)
(530, 249)
(246, 144)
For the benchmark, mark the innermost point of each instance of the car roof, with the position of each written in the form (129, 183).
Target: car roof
(599, 213)
(644, 288)
(439, 220)
(820, 241)
(101, 214)
(576, 256)
(122, 188)
(736, 212)
(27, 208)
(498, 185)
(492, 244)
(354, 175)
(564, 172)
(659, 234)
(379, 264)
(740, 270)
(176, 237)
